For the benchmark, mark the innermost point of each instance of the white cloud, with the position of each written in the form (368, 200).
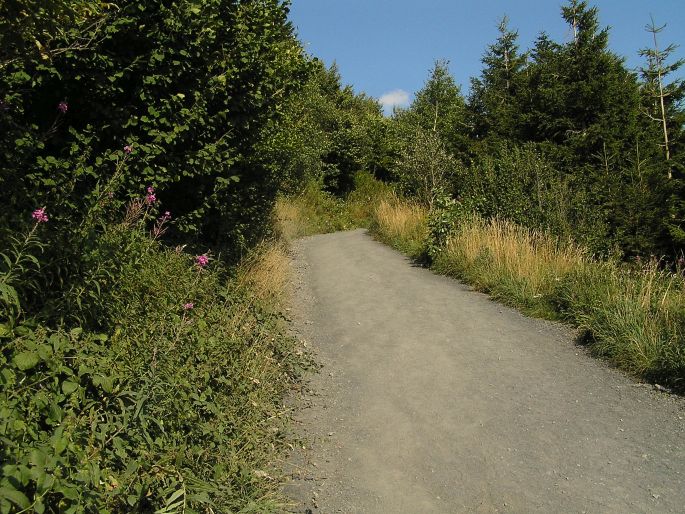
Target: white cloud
(398, 97)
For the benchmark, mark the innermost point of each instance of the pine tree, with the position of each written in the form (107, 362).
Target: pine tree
(494, 96)
(663, 99)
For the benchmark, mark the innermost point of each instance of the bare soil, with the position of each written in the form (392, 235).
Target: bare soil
(433, 398)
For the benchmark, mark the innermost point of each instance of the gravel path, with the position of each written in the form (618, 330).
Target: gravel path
(433, 398)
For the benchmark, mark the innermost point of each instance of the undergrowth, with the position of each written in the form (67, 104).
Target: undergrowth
(315, 211)
(165, 397)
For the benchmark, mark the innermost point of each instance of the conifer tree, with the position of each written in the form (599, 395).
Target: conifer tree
(493, 98)
(580, 95)
(439, 107)
(662, 99)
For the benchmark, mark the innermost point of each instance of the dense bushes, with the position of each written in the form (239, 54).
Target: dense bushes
(188, 86)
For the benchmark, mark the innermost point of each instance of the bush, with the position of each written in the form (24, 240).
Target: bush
(189, 87)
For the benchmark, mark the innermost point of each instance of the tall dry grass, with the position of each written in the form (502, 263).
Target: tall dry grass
(633, 317)
(513, 263)
(401, 224)
(266, 272)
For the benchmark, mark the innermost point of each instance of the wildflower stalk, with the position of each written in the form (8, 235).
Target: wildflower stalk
(20, 255)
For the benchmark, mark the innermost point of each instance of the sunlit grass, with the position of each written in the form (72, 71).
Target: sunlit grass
(401, 224)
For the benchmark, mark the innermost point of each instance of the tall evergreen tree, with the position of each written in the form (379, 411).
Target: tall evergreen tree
(665, 116)
(439, 107)
(492, 102)
(663, 100)
(580, 95)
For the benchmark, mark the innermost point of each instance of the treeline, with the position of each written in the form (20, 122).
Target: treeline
(562, 137)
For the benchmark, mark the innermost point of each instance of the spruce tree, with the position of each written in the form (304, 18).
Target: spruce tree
(581, 95)
(494, 96)
(663, 101)
(439, 107)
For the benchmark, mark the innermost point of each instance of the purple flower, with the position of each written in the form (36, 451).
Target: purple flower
(39, 215)
(128, 149)
(63, 107)
(165, 217)
(202, 260)
(150, 198)
(188, 306)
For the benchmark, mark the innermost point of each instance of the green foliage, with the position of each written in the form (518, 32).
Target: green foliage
(166, 407)
(187, 85)
(425, 168)
(438, 107)
(494, 96)
(328, 133)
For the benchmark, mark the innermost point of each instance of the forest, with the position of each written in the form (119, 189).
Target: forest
(149, 153)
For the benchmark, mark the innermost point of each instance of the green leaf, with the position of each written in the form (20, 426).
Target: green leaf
(106, 383)
(69, 387)
(26, 360)
(16, 497)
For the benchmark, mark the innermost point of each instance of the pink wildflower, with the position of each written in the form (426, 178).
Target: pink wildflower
(165, 217)
(39, 215)
(150, 198)
(128, 149)
(188, 306)
(202, 260)
(63, 107)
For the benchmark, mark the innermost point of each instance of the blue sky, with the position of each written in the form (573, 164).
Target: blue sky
(387, 47)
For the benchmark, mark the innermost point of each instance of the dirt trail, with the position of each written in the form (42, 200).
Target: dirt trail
(433, 398)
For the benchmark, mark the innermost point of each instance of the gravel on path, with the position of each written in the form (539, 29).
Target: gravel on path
(433, 398)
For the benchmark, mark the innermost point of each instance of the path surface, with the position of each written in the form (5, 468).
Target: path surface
(433, 398)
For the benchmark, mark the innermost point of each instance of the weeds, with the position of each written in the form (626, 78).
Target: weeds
(165, 396)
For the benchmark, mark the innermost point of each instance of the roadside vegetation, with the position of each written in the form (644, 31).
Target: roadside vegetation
(155, 160)
(633, 315)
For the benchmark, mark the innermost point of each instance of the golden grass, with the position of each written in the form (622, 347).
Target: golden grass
(266, 272)
(289, 220)
(504, 248)
(401, 224)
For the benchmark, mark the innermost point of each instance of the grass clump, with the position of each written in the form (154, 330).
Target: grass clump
(634, 317)
(519, 266)
(401, 224)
